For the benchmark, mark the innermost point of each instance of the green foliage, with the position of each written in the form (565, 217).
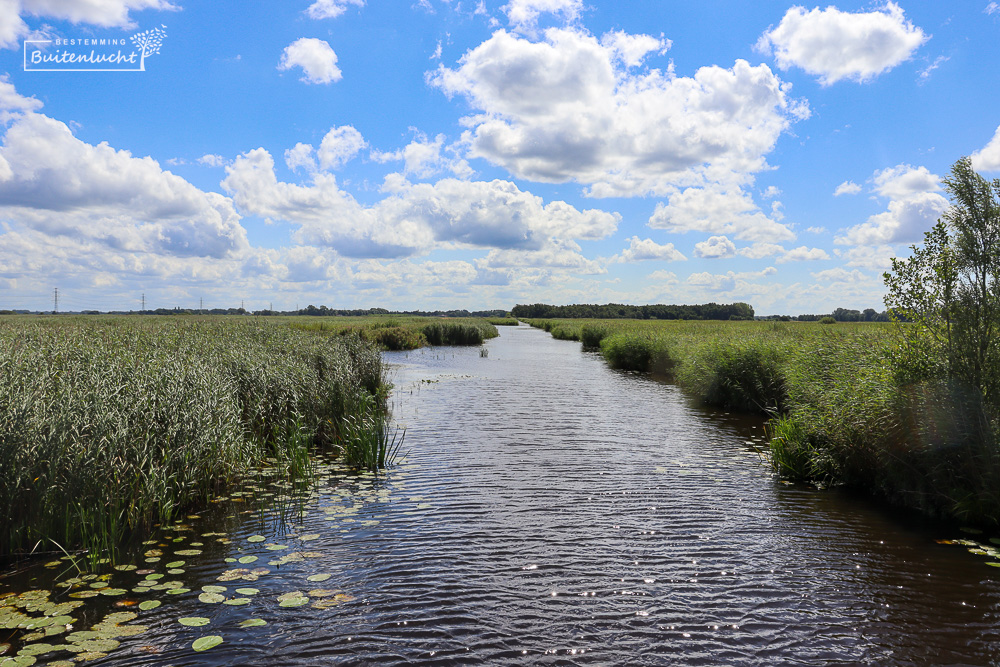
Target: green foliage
(108, 425)
(746, 376)
(364, 437)
(949, 290)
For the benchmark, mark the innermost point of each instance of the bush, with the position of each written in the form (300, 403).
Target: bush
(827, 320)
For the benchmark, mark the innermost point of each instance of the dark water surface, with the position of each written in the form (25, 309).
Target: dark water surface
(553, 511)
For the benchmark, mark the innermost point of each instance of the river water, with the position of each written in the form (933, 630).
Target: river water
(550, 510)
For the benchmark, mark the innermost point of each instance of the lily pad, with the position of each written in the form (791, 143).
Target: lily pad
(148, 605)
(188, 552)
(317, 578)
(194, 621)
(247, 591)
(237, 602)
(205, 643)
(253, 623)
(245, 560)
(211, 598)
(256, 538)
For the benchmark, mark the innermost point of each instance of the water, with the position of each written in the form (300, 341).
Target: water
(552, 511)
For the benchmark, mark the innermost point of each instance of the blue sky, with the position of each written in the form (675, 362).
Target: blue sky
(445, 154)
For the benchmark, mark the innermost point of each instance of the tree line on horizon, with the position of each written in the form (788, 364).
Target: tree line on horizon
(616, 311)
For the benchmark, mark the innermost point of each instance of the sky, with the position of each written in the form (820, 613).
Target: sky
(448, 154)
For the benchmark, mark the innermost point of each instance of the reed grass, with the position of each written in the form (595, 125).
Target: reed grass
(113, 424)
(400, 332)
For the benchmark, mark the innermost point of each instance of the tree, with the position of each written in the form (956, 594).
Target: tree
(148, 42)
(949, 290)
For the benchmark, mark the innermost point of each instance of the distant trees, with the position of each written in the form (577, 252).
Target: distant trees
(950, 290)
(613, 311)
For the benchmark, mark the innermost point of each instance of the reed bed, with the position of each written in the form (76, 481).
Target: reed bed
(401, 332)
(838, 414)
(109, 425)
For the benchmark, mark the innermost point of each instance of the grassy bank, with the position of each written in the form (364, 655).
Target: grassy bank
(108, 425)
(394, 332)
(838, 413)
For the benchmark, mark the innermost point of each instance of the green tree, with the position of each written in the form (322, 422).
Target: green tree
(948, 291)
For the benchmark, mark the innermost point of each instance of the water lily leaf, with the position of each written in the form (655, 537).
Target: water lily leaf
(211, 588)
(994, 564)
(211, 598)
(176, 563)
(294, 602)
(125, 568)
(114, 591)
(310, 537)
(205, 643)
(256, 538)
(154, 576)
(248, 559)
(178, 591)
(188, 552)
(84, 594)
(194, 621)
(148, 605)
(275, 547)
(317, 578)
(37, 649)
(237, 602)
(253, 623)
(19, 661)
(248, 591)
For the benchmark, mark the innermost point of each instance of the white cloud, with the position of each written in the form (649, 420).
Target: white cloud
(770, 192)
(523, 14)
(873, 258)
(841, 275)
(59, 186)
(716, 247)
(992, 8)
(925, 73)
(988, 157)
(662, 276)
(914, 206)
(331, 9)
(416, 217)
(761, 250)
(339, 145)
(730, 281)
(12, 26)
(803, 254)
(631, 50)
(423, 158)
(13, 103)
(315, 57)
(816, 230)
(847, 188)
(646, 249)
(210, 160)
(569, 108)
(835, 45)
(716, 210)
(300, 157)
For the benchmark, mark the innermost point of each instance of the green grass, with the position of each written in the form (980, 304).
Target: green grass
(839, 414)
(108, 425)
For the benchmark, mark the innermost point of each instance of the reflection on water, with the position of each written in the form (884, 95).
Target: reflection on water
(552, 511)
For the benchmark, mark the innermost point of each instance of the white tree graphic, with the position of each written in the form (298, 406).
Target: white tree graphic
(148, 42)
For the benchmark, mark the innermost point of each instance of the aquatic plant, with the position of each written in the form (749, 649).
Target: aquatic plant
(110, 425)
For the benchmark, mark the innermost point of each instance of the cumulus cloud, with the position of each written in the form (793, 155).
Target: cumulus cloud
(339, 146)
(574, 108)
(300, 157)
(761, 250)
(716, 247)
(988, 157)
(873, 258)
(914, 207)
(523, 14)
(835, 45)
(59, 185)
(211, 160)
(104, 13)
(847, 188)
(415, 218)
(803, 254)
(315, 57)
(718, 210)
(639, 250)
(841, 275)
(331, 9)
(424, 158)
(729, 281)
